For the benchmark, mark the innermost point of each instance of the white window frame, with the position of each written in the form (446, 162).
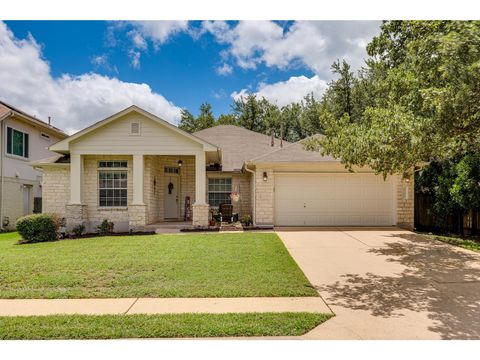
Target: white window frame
(228, 200)
(23, 157)
(113, 170)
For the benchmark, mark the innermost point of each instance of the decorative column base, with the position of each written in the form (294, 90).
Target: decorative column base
(76, 214)
(137, 217)
(200, 215)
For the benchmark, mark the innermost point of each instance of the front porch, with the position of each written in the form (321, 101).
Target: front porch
(156, 188)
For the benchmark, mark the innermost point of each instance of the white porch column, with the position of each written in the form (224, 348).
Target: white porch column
(200, 175)
(200, 208)
(137, 180)
(76, 179)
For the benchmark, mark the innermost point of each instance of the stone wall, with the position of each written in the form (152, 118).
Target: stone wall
(200, 215)
(240, 183)
(264, 197)
(156, 181)
(95, 213)
(405, 202)
(55, 189)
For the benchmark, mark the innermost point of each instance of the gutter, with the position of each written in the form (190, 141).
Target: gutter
(254, 214)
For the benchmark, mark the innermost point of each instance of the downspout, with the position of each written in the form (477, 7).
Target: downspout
(254, 214)
(2, 143)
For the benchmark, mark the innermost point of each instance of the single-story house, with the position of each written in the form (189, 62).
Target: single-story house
(136, 169)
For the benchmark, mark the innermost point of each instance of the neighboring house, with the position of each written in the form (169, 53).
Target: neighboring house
(137, 169)
(23, 138)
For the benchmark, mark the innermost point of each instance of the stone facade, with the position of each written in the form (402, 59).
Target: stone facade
(95, 213)
(156, 181)
(75, 215)
(240, 183)
(264, 197)
(56, 189)
(405, 202)
(137, 217)
(200, 215)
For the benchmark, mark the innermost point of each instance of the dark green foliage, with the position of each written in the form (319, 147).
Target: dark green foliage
(105, 228)
(454, 184)
(78, 230)
(38, 227)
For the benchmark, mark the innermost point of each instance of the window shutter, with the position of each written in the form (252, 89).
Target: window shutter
(25, 144)
(9, 140)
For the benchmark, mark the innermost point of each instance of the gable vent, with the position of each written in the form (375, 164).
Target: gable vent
(135, 128)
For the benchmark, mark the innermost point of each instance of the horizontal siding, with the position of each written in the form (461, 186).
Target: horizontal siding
(115, 138)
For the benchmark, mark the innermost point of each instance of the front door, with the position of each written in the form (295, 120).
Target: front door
(171, 197)
(26, 199)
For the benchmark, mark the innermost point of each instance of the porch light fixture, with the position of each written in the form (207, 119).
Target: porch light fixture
(180, 163)
(265, 177)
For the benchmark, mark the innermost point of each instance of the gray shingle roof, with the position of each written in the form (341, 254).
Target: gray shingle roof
(292, 153)
(238, 144)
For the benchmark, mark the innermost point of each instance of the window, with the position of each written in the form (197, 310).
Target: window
(112, 183)
(171, 170)
(219, 190)
(17, 142)
(112, 187)
(112, 164)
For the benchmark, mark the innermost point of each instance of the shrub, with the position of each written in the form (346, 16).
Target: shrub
(247, 220)
(38, 227)
(105, 228)
(78, 230)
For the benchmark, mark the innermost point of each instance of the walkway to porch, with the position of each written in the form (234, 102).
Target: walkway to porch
(167, 227)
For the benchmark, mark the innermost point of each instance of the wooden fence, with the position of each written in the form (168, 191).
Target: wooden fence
(457, 223)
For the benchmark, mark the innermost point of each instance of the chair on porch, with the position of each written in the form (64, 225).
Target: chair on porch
(226, 213)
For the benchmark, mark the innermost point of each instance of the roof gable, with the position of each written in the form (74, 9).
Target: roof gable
(132, 111)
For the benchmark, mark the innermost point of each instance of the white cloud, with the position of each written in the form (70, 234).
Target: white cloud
(134, 58)
(314, 44)
(74, 102)
(285, 92)
(225, 69)
(158, 31)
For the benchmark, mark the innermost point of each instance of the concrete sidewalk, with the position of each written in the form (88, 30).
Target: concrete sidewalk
(37, 307)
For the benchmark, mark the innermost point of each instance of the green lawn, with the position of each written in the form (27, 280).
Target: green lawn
(157, 326)
(457, 241)
(193, 265)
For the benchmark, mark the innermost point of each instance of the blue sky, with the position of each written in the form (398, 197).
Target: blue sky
(81, 71)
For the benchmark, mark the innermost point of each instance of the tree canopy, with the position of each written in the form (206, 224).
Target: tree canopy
(416, 99)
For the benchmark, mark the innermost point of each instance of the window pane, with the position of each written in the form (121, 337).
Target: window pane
(17, 143)
(25, 145)
(9, 140)
(112, 188)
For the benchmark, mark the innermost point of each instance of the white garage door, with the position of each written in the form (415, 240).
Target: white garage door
(333, 199)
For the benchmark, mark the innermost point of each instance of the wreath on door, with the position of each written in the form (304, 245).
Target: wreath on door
(170, 188)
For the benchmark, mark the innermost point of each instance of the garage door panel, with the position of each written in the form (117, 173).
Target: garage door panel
(333, 199)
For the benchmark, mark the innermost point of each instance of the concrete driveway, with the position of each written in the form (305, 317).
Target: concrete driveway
(387, 283)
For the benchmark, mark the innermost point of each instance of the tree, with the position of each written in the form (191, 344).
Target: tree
(187, 121)
(204, 120)
(423, 82)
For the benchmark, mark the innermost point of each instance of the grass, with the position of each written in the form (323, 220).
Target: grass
(197, 265)
(158, 326)
(457, 241)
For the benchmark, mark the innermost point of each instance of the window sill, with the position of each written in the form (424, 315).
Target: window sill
(17, 157)
(112, 208)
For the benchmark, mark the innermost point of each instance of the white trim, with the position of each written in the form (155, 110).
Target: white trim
(64, 145)
(18, 157)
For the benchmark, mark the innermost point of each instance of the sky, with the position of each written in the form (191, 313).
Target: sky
(79, 72)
